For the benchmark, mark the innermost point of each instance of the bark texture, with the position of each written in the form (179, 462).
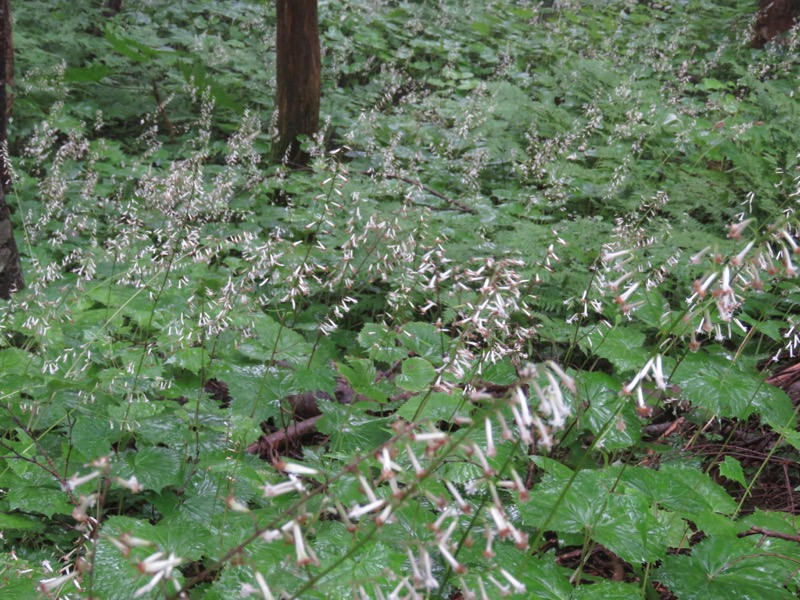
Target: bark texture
(299, 77)
(10, 270)
(112, 7)
(7, 81)
(774, 17)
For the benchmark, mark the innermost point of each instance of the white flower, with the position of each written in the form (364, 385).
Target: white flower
(293, 485)
(295, 469)
(518, 586)
(76, 481)
(55, 583)
(160, 567)
(131, 484)
(360, 511)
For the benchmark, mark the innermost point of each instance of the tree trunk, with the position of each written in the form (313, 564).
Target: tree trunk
(10, 270)
(6, 81)
(299, 77)
(112, 7)
(774, 17)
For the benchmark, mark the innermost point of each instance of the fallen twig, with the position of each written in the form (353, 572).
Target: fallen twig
(789, 537)
(268, 445)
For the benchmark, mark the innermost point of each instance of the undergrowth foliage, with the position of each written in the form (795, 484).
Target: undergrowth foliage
(514, 314)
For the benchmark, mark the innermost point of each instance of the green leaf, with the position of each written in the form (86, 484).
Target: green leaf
(114, 573)
(426, 341)
(369, 562)
(156, 468)
(194, 360)
(623, 346)
(38, 499)
(772, 328)
(713, 494)
(774, 405)
(713, 84)
(93, 437)
(542, 577)
(276, 342)
(20, 522)
(482, 28)
(726, 567)
(552, 468)
(608, 413)
(727, 388)
(362, 376)
(628, 528)
(351, 430)
(190, 532)
(783, 522)
(668, 490)
(257, 392)
(86, 74)
(417, 375)
(13, 360)
(607, 590)
(500, 373)
(437, 406)
(160, 430)
(731, 468)
(790, 436)
(19, 589)
(380, 342)
(130, 47)
(587, 505)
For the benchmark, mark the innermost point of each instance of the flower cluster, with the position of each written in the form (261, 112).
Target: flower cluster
(410, 471)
